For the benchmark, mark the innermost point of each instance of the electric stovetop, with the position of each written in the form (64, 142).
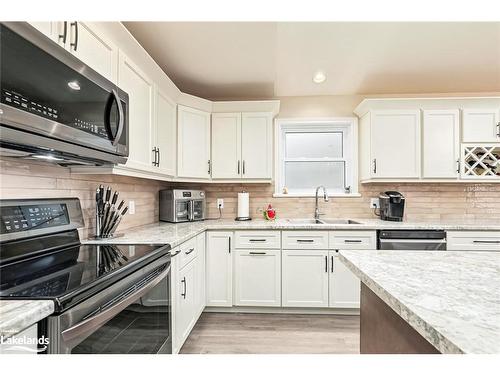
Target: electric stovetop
(71, 274)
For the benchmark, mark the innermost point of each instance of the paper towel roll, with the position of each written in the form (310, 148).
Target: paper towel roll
(243, 205)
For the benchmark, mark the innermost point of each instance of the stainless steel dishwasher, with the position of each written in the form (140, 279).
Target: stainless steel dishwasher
(411, 240)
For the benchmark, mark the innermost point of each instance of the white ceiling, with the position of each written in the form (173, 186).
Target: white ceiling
(261, 60)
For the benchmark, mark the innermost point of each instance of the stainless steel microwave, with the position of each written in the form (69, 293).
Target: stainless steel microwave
(54, 107)
(178, 206)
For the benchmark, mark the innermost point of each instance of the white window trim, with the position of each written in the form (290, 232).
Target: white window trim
(318, 124)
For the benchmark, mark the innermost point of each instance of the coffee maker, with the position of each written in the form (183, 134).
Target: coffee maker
(392, 206)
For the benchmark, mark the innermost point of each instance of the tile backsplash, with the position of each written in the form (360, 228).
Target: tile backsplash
(20, 179)
(450, 201)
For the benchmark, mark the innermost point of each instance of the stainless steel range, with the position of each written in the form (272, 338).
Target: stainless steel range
(108, 299)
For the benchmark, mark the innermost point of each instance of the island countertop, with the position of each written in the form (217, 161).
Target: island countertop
(451, 298)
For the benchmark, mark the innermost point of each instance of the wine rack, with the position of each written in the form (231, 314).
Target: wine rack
(481, 161)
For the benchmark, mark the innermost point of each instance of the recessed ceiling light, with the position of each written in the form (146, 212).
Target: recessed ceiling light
(319, 77)
(74, 85)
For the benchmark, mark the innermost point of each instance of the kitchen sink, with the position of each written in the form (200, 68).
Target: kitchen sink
(322, 221)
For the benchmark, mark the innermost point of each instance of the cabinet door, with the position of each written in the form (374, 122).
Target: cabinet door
(257, 277)
(186, 296)
(305, 278)
(201, 266)
(441, 144)
(93, 48)
(481, 125)
(219, 286)
(193, 143)
(226, 145)
(166, 134)
(345, 287)
(50, 29)
(395, 144)
(140, 90)
(256, 145)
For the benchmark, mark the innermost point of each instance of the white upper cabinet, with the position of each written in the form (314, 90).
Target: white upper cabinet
(481, 125)
(226, 145)
(256, 145)
(242, 145)
(395, 144)
(87, 42)
(140, 90)
(90, 46)
(440, 143)
(165, 135)
(193, 153)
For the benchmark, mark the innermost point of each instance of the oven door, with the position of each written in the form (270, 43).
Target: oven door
(133, 316)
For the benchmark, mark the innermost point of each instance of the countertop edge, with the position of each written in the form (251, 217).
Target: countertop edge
(16, 316)
(435, 338)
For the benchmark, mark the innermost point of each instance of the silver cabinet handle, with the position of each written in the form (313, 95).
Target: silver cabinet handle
(189, 251)
(458, 165)
(332, 263)
(299, 240)
(243, 166)
(486, 241)
(374, 165)
(498, 128)
(209, 167)
(75, 43)
(158, 152)
(257, 253)
(96, 320)
(257, 240)
(64, 35)
(229, 245)
(185, 288)
(154, 161)
(238, 167)
(176, 253)
(353, 241)
(326, 263)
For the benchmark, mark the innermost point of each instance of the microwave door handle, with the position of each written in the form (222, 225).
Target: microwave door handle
(121, 119)
(101, 318)
(191, 210)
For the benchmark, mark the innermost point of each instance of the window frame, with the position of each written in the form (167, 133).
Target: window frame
(349, 127)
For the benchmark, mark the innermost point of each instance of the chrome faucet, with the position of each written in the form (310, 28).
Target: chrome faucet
(325, 197)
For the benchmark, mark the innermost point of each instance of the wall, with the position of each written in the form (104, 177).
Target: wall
(43, 180)
(452, 201)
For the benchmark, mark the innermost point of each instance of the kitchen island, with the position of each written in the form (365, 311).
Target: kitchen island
(428, 302)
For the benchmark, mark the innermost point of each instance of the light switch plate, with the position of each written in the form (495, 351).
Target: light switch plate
(131, 207)
(374, 203)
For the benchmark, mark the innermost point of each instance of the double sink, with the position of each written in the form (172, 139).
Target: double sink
(322, 221)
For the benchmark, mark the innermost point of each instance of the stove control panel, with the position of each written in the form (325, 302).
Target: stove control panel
(23, 218)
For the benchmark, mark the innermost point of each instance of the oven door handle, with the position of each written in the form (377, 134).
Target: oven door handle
(419, 240)
(101, 318)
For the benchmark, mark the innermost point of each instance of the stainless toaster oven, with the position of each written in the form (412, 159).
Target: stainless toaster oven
(178, 205)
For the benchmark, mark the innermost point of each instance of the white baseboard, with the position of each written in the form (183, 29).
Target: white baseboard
(282, 310)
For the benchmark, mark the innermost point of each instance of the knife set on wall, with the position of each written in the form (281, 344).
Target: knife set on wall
(108, 215)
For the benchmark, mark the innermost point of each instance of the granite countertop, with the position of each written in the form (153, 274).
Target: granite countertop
(450, 298)
(174, 234)
(16, 316)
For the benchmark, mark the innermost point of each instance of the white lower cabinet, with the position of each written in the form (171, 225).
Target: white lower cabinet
(473, 240)
(186, 302)
(219, 260)
(257, 277)
(304, 278)
(344, 286)
(201, 272)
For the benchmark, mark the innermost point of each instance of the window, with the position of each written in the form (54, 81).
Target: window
(316, 152)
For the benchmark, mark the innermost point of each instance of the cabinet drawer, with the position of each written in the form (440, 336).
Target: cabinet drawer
(357, 240)
(257, 239)
(305, 240)
(188, 251)
(489, 241)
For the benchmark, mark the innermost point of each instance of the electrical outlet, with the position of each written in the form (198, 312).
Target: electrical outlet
(220, 203)
(374, 203)
(131, 207)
